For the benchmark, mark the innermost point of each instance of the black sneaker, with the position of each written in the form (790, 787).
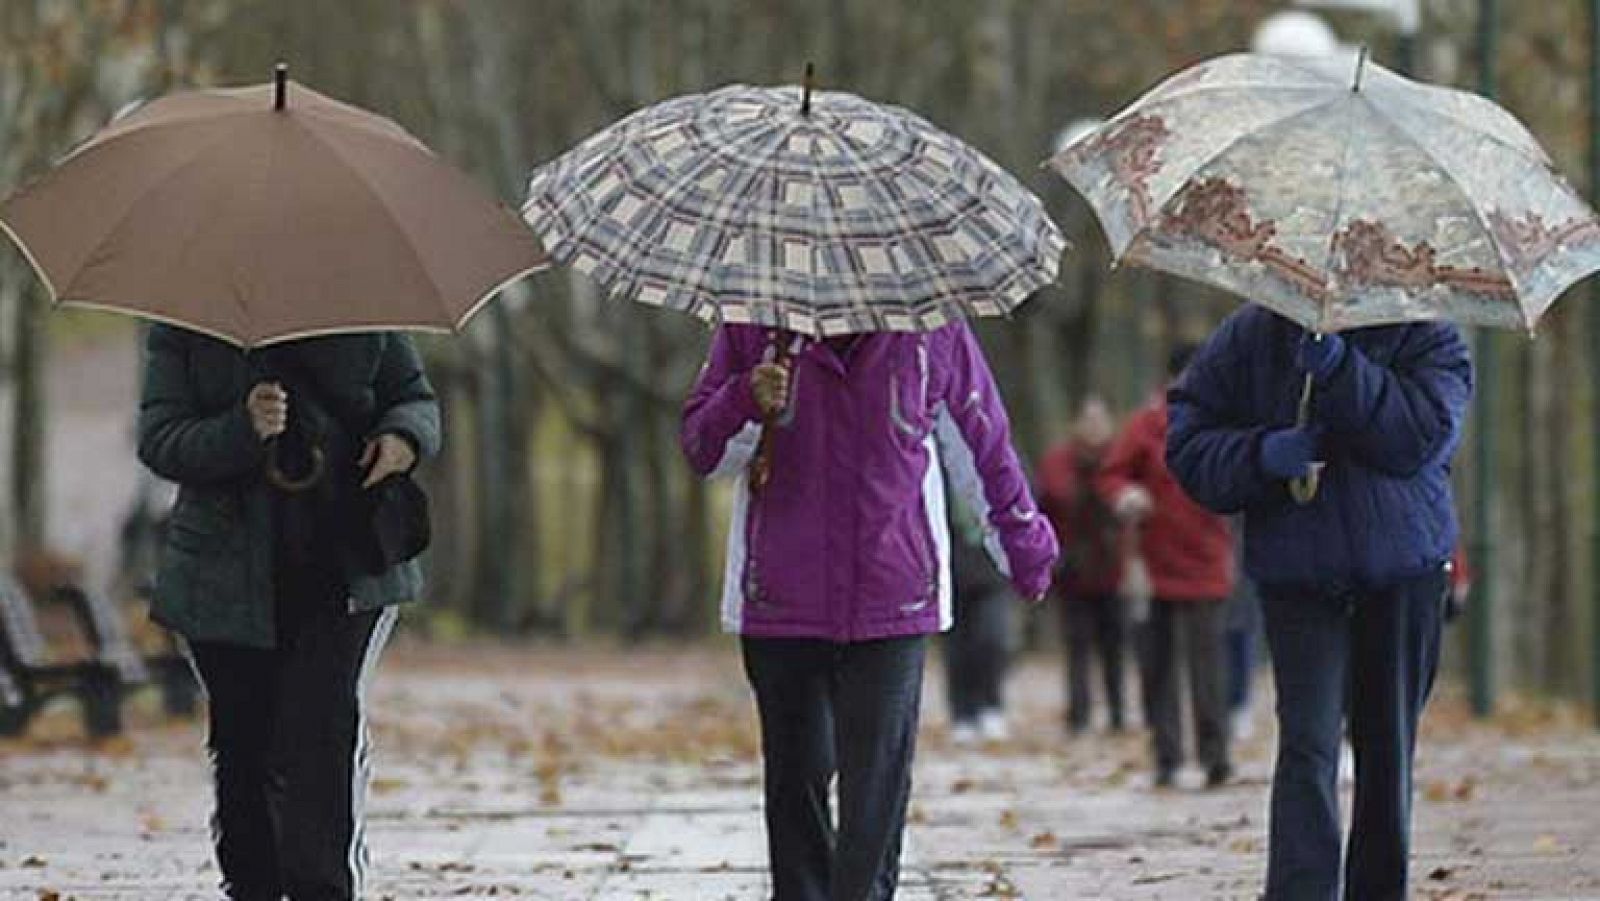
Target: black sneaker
(1219, 775)
(1166, 777)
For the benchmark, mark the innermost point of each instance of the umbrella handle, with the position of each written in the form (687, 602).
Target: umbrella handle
(1304, 489)
(761, 468)
(282, 481)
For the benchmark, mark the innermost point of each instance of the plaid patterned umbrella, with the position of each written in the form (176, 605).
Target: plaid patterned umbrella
(738, 206)
(1337, 193)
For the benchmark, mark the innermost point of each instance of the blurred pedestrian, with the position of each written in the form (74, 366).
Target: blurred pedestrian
(1093, 622)
(978, 646)
(284, 612)
(1188, 554)
(1461, 580)
(1353, 581)
(1242, 636)
(838, 566)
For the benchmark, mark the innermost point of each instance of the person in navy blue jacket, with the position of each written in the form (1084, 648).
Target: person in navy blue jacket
(1352, 583)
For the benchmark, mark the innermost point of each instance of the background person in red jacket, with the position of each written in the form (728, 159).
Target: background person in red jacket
(1188, 552)
(1092, 620)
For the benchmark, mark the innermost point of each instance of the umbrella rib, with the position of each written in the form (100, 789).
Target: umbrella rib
(159, 318)
(1338, 213)
(774, 148)
(1471, 202)
(671, 188)
(32, 261)
(707, 296)
(117, 224)
(1539, 159)
(1220, 152)
(472, 310)
(556, 207)
(412, 244)
(1190, 93)
(866, 174)
(661, 196)
(97, 142)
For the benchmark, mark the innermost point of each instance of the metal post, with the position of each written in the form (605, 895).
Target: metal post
(1405, 54)
(1138, 300)
(1480, 612)
(1594, 342)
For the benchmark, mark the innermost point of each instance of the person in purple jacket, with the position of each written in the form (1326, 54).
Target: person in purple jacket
(838, 566)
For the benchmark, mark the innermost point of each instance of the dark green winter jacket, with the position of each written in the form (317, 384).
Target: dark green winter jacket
(216, 578)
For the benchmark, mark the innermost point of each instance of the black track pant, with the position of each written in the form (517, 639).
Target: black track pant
(289, 749)
(1092, 625)
(836, 709)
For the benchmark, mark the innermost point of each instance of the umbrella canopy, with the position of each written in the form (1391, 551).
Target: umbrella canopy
(822, 214)
(1338, 195)
(258, 221)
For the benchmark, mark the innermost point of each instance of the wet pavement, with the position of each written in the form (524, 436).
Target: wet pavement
(631, 774)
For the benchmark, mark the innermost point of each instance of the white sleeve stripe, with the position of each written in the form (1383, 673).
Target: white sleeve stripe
(738, 452)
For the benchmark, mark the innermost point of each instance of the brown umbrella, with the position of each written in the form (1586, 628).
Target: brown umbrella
(257, 215)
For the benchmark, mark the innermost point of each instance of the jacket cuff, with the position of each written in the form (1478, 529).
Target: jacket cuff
(406, 435)
(415, 429)
(1036, 583)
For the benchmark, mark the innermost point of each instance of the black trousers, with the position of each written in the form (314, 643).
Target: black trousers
(1092, 626)
(977, 651)
(1191, 633)
(845, 709)
(289, 751)
(1365, 659)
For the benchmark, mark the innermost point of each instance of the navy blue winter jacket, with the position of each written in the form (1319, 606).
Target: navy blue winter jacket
(1393, 411)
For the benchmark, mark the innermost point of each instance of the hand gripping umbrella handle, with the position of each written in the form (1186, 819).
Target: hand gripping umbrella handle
(282, 481)
(761, 468)
(1304, 489)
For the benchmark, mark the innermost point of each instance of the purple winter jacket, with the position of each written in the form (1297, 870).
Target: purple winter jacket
(848, 539)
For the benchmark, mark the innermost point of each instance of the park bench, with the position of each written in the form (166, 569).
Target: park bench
(32, 673)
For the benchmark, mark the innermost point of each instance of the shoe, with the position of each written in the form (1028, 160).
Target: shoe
(1219, 775)
(992, 725)
(1166, 777)
(1240, 724)
(964, 733)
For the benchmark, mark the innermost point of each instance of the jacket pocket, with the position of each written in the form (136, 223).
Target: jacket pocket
(755, 593)
(909, 417)
(926, 558)
(202, 522)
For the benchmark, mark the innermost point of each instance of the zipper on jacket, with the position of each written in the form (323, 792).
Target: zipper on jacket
(925, 545)
(754, 594)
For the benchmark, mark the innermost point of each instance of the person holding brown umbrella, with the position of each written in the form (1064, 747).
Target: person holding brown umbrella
(284, 621)
(280, 246)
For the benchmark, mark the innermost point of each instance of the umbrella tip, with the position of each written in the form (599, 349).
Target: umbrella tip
(1361, 64)
(280, 85)
(806, 84)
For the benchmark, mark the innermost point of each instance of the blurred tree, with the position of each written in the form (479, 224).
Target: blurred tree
(563, 503)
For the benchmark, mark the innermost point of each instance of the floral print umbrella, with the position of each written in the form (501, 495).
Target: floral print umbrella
(1338, 195)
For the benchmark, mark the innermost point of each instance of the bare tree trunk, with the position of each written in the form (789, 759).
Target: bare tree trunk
(1555, 525)
(28, 423)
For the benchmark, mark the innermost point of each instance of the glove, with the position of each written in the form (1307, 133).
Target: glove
(1288, 453)
(1319, 358)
